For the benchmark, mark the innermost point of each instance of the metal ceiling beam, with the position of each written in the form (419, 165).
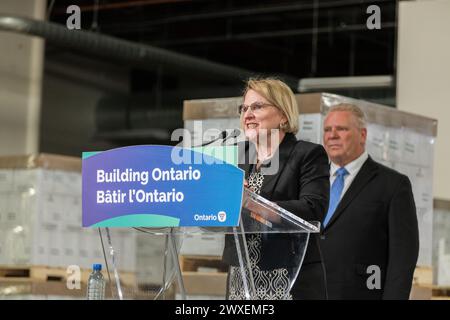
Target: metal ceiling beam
(122, 5)
(251, 11)
(271, 34)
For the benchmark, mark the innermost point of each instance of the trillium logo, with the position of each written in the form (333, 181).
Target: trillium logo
(222, 216)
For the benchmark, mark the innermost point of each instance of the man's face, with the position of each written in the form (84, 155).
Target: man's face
(343, 140)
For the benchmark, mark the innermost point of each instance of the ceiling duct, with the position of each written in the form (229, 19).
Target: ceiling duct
(120, 120)
(131, 52)
(126, 119)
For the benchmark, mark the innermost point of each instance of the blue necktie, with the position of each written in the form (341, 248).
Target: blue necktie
(335, 193)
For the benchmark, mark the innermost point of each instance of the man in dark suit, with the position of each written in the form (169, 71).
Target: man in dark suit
(369, 237)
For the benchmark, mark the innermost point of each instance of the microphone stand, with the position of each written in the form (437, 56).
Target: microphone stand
(223, 136)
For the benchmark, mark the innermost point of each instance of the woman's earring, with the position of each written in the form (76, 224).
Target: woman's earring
(283, 126)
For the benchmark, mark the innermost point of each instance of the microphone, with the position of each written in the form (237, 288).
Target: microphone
(223, 136)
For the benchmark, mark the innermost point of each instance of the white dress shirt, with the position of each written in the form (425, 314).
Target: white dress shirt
(352, 168)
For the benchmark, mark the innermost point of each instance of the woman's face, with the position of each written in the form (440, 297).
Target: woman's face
(262, 119)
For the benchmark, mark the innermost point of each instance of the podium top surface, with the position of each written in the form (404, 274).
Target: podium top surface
(258, 215)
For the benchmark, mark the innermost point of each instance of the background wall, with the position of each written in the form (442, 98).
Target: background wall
(423, 85)
(20, 79)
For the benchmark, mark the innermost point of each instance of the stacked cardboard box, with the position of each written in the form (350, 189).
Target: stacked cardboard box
(441, 243)
(40, 216)
(206, 245)
(151, 252)
(204, 277)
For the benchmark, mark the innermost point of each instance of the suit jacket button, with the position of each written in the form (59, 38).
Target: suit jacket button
(322, 237)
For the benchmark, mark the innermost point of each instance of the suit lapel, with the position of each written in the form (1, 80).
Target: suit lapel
(282, 154)
(367, 172)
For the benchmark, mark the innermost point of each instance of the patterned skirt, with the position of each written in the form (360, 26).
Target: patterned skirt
(271, 284)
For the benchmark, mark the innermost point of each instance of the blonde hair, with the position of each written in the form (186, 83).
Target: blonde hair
(280, 95)
(354, 110)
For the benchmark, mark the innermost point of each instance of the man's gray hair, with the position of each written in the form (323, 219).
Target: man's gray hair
(354, 110)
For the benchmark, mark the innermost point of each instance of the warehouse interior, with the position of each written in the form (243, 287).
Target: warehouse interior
(219, 32)
(130, 70)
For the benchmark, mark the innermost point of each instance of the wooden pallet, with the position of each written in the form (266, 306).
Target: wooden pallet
(205, 283)
(430, 292)
(440, 298)
(441, 292)
(193, 263)
(41, 273)
(424, 288)
(423, 276)
(55, 274)
(204, 275)
(27, 288)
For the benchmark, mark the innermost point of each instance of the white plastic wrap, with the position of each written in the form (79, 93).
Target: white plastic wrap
(40, 216)
(441, 244)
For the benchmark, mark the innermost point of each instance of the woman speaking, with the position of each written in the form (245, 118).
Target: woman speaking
(292, 173)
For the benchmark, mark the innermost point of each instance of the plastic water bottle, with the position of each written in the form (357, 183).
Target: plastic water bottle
(96, 284)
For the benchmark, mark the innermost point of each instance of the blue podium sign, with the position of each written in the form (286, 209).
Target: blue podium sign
(159, 186)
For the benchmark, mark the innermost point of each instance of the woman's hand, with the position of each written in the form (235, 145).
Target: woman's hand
(245, 183)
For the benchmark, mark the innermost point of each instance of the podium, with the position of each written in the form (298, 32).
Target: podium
(259, 220)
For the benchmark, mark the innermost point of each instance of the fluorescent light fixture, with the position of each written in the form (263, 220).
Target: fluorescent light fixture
(314, 84)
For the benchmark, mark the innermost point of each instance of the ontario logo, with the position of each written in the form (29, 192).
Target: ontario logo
(222, 216)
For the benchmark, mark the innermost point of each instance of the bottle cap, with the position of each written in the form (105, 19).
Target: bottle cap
(97, 267)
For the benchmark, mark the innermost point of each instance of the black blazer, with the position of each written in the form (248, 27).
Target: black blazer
(375, 223)
(301, 186)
